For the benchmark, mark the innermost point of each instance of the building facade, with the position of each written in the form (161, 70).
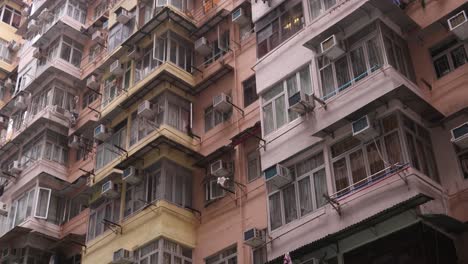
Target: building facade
(358, 101)
(210, 131)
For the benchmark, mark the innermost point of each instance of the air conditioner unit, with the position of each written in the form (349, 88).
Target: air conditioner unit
(14, 46)
(277, 175)
(45, 15)
(301, 102)
(109, 190)
(74, 142)
(16, 167)
(101, 133)
(144, 109)
(20, 103)
(33, 26)
(116, 68)
(254, 237)
(134, 52)
(122, 15)
(363, 129)
(92, 82)
(97, 37)
(3, 209)
(458, 24)
(240, 17)
(220, 168)
(331, 48)
(38, 54)
(130, 175)
(9, 84)
(222, 103)
(202, 46)
(460, 136)
(122, 256)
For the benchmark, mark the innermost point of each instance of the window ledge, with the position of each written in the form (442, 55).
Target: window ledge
(293, 224)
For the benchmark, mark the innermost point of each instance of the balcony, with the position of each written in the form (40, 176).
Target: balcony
(57, 67)
(60, 24)
(164, 218)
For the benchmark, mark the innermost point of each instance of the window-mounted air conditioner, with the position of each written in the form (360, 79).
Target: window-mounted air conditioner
(16, 167)
(122, 256)
(38, 54)
(220, 168)
(458, 24)
(301, 102)
(363, 129)
(202, 47)
(33, 26)
(92, 82)
(45, 15)
(101, 132)
(14, 46)
(3, 209)
(145, 110)
(240, 17)
(130, 175)
(222, 103)
(277, 175)
(74, 142)
(9, 83)
(20, 102)
(460, 136)
(97, 37)
(254, 237)
(134, 52)
(123, 16)
(109, 190)
(331, 47)
(116, 68)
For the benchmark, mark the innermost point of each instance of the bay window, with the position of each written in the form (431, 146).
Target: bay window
(277, 26)
(318, 7)
(365, 54)
(46, 146)
(164, 251)
(118, 34)
(169, 109)
(275, 102)
(448, 56)
(108, 151)
(64, 48)
(5, 53)
(303, 196)
(108, 210)
(355, 163)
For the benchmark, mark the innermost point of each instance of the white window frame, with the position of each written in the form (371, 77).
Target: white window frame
(37, 202)
(249, 155)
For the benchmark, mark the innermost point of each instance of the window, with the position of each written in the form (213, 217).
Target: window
(77, 11)
(134, 197)
(219, 48)
(301, 197)
(21, 208)
(5, 53)
(226, 256)
(275, 102)
(250, 91)
(107, 151)
(448, 56)
(88, 98)
(71, 51)
(118, 33)
(213, 190)
(11, 16)
(213, 117)
(163, 251)
(278, 26)
(109, 211)
(127, 75)
(253, 165)
(112, 89)
(259, 255)
(94, 52)
(99, 10)
(318, 7)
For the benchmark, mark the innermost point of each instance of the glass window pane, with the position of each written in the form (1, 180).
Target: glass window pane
(374, 156)
(458, 56)
(393, 147)
(268, 120)
(42, 203)
(320, 183)
(275, 210)
(289, 200)
(306, 83)
(340, 171)
(342, 73)
(358, 63)
(305, 196)
(358, 169)
(280, 110)
(375, 54)
(328, 84)
(412, 151)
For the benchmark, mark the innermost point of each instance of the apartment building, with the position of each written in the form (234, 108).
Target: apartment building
(362, 108)
(133, 135)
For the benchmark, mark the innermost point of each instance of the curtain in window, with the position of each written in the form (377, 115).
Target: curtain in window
(422, 156)
(305, 81)
(389, 51)
(328, 84)
(275, 210)
(280, 109)
(358, 63)
(342, 73)
(375, 53)
(393, 147)
(315, 8)
(341, 174)
(433, 173)
(42, 203)
(289, 200)
(320, 184)
(376, 163)
(305, 196)
(268, 121)
(252, 162)
(358, 169)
